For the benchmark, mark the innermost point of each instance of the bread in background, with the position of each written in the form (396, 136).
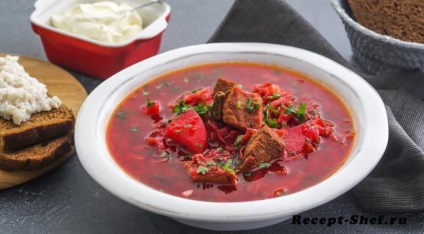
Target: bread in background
(401, 19)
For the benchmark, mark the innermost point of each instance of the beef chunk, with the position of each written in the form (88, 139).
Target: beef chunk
(218, 104)
(202, 170)
(222, 86)
(242, 109)
(264, 146)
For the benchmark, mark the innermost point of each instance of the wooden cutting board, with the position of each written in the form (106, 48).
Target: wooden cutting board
(59, 83)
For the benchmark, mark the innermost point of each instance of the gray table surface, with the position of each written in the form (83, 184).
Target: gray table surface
(67, 200)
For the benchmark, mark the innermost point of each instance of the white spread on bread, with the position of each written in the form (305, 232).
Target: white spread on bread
(20, 94)
(104, 21)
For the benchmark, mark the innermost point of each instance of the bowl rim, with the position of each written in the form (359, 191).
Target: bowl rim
(151, 31)
(368, 32)
(86, 141)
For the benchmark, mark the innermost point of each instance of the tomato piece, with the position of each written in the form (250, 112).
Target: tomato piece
(266, 90)
(188, 129)
(152, 108)
(203, 95)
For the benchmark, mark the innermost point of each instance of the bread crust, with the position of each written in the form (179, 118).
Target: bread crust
(41, 127)
(37, 156)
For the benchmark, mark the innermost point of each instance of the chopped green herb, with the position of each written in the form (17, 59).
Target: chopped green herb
(188, 126)
(199, 145)
(145, 93)
(266, 113)
(185, 80)
(180, 107)
(210, 163)
(161, 190)
(195, 91)
(149, 103)
(238, 104)
(178, 131)
(209, 107)
(166, 83)
(121, 115)
(292, 153)
(238, 140)
(301, 111)
(202, 169)
(201, 109)
(247, 174)
(249, 106)
(134, 129)
(164, 154)
(240, 86)
(274, 96)
(273, 110)
(227, 166)
(289, 110)
(271, 123)
(283, 124)
(219, 149)
(256, 105)
(264, 165)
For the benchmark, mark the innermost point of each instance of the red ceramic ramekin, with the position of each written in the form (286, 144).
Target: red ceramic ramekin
(94, 58)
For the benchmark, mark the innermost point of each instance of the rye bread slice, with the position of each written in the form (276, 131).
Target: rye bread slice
(37, 156)
(402, 19)
(43, 126)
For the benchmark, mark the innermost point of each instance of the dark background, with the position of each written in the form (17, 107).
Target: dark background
(67, 200)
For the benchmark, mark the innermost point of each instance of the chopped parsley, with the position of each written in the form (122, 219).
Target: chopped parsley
(145, 93)
(185, 80)
(238, 104)
(149, 103)
(201, 109)
(180, 107)
(164, 154)
(199, 145)
(273, 110)
(166, 83)
(178, 131)
(238, 140)
(264, 165)
(271, 123)
(274, 96)
(188, 126)
(134, 129)
(227, 165)
(210, 163)
(202, 169)
(121, 115)
(249, 106)
(219, 150)
(299, 113)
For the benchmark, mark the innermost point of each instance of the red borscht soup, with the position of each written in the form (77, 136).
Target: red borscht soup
(230, 132)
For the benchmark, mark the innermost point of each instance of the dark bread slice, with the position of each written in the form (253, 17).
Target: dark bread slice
(401, 19)
(43, 126)
(37, 156)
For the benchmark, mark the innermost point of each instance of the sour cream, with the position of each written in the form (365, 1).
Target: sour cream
(102, 21)
(20, 94)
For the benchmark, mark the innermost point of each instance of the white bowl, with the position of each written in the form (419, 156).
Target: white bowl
(366, 106)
